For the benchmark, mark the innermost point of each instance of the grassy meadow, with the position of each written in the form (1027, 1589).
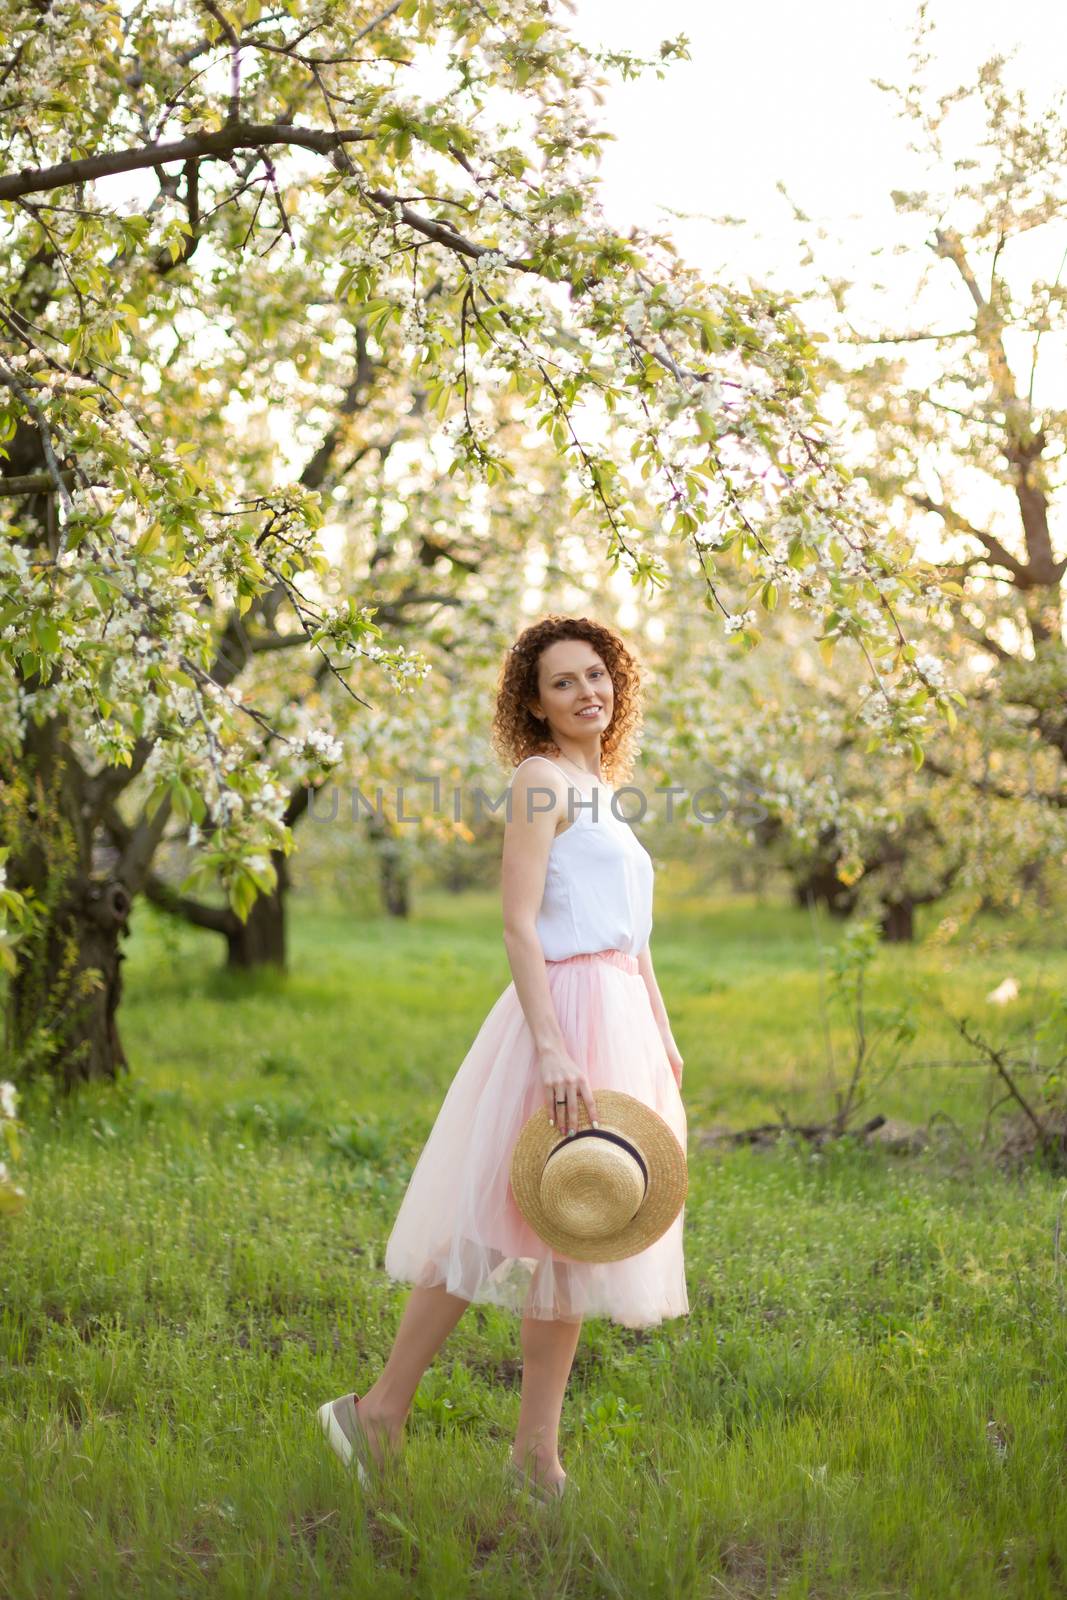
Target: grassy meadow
(867, 1399)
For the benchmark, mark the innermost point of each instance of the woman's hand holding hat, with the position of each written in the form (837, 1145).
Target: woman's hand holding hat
(564, 1083)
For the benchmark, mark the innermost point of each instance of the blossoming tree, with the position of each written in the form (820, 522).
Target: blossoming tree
(201, 203)
(958, 429)
(447, 561)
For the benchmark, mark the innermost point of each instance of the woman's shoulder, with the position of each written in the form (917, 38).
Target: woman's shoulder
(545, 765)
(534, 776)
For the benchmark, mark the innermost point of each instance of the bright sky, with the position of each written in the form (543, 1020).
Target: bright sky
(777, 90)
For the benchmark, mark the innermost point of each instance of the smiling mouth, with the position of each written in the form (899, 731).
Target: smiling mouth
(589, 711)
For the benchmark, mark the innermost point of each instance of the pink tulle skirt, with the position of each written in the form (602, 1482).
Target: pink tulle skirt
(458, 1224)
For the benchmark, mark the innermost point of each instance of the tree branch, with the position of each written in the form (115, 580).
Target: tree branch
(987, 786)
(219, 919)
(276, 641)
(383, 16)
(949, 245)
(35, 483)
(234, 42)
(207, 146)
(45, 436)
(905, 338)
(983, 640)
(137, 844)
(958, 524)
(165, 264)
(1023, 445)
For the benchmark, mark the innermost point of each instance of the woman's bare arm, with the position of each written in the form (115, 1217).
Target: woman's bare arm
(647, 971)
(538, 800)
(659, 1011)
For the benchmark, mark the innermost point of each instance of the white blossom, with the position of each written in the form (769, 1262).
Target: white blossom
(323, 744)
(931, 668)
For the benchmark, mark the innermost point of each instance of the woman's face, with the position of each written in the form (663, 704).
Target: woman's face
(575, 691)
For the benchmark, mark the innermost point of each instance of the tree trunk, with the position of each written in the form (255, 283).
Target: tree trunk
(897, 922)
(64, 993)
(262, 940)
(818, 881)
(74, 987)
(393, 878)
(63, 997)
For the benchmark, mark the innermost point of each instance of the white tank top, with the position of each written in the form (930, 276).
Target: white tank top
(598, 887)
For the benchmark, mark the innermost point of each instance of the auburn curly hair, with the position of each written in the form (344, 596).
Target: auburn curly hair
(516, 733)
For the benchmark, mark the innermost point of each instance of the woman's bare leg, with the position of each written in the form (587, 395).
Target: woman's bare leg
(547, 1355)
(427, 1320)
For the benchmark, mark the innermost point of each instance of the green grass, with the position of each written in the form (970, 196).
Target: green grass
(199, 1266)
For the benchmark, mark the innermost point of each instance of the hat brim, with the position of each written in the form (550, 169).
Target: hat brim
(668, 1176)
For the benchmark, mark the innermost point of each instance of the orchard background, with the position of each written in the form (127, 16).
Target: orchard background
(324, 368)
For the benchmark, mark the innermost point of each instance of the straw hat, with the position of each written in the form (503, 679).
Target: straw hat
(607, 1192)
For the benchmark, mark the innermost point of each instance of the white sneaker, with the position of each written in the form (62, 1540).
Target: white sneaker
(344, 1432)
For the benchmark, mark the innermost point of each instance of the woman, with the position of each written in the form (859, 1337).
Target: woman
(583, 1013)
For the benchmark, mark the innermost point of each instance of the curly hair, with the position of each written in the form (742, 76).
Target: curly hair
(516, 733)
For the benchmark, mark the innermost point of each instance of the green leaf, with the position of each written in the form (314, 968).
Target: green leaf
(156, 799)
(242, 894)
(266, 880)
(47, 636)
(180, 799)
(149, 539)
